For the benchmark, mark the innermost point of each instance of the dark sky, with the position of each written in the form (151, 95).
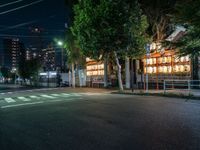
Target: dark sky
(17, 16)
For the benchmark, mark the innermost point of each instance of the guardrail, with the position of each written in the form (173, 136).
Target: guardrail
(181, 85)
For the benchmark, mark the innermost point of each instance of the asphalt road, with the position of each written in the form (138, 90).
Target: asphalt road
(87, 119)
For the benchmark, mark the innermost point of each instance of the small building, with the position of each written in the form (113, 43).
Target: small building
(166, 65)
(94, 72)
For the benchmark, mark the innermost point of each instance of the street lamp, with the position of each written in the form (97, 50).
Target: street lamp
(60, 43)
(14, 71)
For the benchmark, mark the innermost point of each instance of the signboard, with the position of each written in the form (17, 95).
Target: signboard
(148, 49)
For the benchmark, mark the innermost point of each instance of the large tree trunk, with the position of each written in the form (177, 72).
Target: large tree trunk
(119, 72)
(73, 76)
(106, 71)
(127, 68)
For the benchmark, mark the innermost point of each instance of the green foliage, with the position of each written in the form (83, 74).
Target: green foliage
(73, 51)
(29, 68)
(5, 72)
(137, 33)
(157, 12)
(187, 13)
(102, 27)
(190, 43)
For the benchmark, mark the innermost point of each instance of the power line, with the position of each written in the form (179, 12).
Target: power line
(7, 4)
(18, 8)
(18, 25)
(24, 36)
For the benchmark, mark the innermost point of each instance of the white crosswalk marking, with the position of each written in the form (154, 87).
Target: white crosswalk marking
(71, 94)
(47, 96)
(34, 97)
(88, 93)
(23, 99)
(9, 100)
(56, 95)
(65, 94)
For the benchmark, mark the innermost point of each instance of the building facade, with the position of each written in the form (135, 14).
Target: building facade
(49, 60)
(166, 65)
(13, 50)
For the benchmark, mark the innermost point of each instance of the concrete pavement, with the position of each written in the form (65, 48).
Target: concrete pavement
(98, 120)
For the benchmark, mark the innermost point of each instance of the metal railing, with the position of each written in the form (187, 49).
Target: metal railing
(187, 85)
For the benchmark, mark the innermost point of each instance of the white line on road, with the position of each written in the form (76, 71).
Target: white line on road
(17, 105)
(9, 100)
(47, 96)
(34, 97)
(58, 100)
(65, 94)
(76, 94)
(69, 99)
(55, 95)
(24, 99)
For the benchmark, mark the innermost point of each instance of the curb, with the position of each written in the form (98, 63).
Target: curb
(161, 95)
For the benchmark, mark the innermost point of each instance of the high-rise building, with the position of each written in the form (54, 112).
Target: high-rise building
(12, 50)
(48, 56)
(29, 54)
(36, 42)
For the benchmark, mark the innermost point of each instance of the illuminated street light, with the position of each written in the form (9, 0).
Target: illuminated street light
(60, 43)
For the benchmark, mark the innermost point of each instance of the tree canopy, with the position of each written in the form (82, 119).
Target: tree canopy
(187, 14)
(157, 12)
(29, 68)
(105, 26)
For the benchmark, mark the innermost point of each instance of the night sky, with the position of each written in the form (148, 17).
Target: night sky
(18, 16)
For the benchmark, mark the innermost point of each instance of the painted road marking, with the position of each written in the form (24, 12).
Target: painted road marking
(56, 95)
(88, 93)
(9, 100)
(47, 96)
(62, 95)
(58, 100)
(65, 94)
(23, 99)
(71, 94)
(17, 105)
(34, 97)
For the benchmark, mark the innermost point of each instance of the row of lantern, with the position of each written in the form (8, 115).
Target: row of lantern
(95, 73)
(168, 59)
(95, 67)
(168, 69)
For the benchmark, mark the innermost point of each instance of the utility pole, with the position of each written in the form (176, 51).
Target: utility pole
(147, 56)
(132, 75)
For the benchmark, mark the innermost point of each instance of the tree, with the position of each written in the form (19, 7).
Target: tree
(187, 14)
(5, 72)
(28, 69)
(73, 51)
(159, 21)
(103, 27)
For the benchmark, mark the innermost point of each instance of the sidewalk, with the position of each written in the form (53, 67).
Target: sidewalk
(182, 93)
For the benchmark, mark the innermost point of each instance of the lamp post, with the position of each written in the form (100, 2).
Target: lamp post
(14, 71)
(147, 56)
(60, 43)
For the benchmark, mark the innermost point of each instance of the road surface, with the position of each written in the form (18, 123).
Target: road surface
(92, 119)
